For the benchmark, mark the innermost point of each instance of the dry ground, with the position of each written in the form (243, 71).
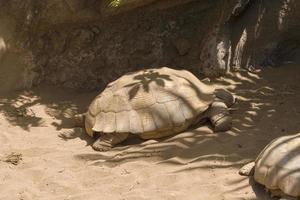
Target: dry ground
(197, 164)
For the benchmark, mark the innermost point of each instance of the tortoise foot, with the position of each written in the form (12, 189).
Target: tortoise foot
(219, 116)
(99, 145)
(223, 124)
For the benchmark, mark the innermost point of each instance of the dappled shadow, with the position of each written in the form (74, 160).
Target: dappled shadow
(16, 109)
(144, 80)
(267, 108)
(44, 106)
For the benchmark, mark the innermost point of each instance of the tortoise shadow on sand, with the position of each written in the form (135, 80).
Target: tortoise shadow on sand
(258, 189)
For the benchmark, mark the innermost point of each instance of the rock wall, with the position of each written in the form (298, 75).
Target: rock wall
(266, 34)
(88, 43)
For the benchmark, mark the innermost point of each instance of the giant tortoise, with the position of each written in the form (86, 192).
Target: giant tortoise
(154, 103)
(278, 167)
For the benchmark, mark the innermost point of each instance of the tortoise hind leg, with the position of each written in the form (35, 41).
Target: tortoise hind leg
(108, 140)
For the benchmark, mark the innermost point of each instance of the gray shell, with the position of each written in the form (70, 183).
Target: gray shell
(151, 103)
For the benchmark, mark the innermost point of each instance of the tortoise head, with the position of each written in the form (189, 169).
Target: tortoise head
(79, 120)
(84, 121)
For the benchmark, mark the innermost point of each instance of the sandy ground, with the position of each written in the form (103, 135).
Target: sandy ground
(197, 164)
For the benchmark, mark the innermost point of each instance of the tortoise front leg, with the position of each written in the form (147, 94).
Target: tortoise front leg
(219, 116)
(108, 140)
(248, 169)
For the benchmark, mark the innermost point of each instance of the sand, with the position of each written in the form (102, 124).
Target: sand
(197, 164)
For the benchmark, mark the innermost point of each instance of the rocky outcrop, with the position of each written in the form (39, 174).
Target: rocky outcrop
(88, 43)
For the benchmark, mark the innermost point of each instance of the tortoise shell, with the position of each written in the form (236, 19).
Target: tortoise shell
(278, 165)
(151, 103)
